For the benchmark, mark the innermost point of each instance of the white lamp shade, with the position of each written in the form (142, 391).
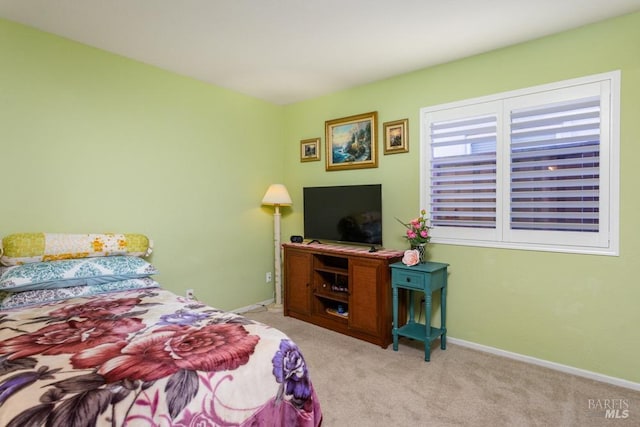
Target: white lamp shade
(277, 194)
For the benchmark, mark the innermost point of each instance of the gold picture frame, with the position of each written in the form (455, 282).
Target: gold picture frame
(396, 136)
(352, 142)
(310, 150)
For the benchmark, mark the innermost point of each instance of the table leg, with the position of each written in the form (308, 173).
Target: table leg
(427, 326)
(395, 319)
(412, 316)
(443, 316)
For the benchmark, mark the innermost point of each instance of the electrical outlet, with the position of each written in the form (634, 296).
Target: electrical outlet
(190, 294)
(268, 277)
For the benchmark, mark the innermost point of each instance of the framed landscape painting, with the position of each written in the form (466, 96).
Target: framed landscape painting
(310, 150)
(396, 136)
(352, 142)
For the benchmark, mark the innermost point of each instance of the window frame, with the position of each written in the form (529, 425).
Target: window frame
(607, 240)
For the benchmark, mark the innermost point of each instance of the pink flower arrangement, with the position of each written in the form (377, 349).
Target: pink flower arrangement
(417, 229)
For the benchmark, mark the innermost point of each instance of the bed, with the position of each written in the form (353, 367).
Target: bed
(96, 341)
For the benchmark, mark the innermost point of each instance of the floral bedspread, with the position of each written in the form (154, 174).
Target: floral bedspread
(148, 358)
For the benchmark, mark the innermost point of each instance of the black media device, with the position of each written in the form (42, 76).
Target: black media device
(346, 213)
(296, 239)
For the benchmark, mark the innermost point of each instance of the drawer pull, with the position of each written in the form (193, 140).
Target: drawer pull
(408, 279)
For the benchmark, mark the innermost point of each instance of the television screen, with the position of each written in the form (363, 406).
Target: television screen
(348, 213)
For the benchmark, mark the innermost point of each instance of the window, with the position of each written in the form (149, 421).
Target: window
(532, 169)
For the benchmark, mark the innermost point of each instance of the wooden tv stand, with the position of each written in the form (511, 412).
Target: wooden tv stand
(343, 288)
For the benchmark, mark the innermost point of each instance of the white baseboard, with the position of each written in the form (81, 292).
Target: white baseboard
(547, 364)
(261, 304)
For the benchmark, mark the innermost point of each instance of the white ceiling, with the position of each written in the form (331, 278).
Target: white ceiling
(285, 51)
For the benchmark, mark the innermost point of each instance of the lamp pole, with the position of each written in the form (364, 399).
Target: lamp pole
(278, 263)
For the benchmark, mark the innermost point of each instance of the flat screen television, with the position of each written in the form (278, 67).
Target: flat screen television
(346, 213)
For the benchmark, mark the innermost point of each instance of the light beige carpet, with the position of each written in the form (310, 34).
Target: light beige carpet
(361, 384)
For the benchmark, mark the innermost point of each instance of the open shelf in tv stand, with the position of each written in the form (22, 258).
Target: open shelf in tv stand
(343, 288)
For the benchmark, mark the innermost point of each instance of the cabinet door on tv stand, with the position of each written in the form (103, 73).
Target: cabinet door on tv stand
(298, 282)
(364, 299)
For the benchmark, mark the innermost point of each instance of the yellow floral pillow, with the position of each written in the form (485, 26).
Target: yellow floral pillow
(23, 248)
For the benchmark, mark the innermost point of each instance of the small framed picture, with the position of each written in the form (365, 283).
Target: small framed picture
(310, 150)
(396, 136)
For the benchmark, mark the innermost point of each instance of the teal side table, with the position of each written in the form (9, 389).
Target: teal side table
(426, 278)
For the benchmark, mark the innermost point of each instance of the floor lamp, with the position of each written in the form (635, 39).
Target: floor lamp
(277, 195)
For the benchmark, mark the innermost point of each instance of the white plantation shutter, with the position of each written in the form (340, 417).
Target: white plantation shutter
(530, 169)
(463, 173)
(555, 166)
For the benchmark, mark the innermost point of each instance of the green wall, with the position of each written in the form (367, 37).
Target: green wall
(93, 142)
(577, 310)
